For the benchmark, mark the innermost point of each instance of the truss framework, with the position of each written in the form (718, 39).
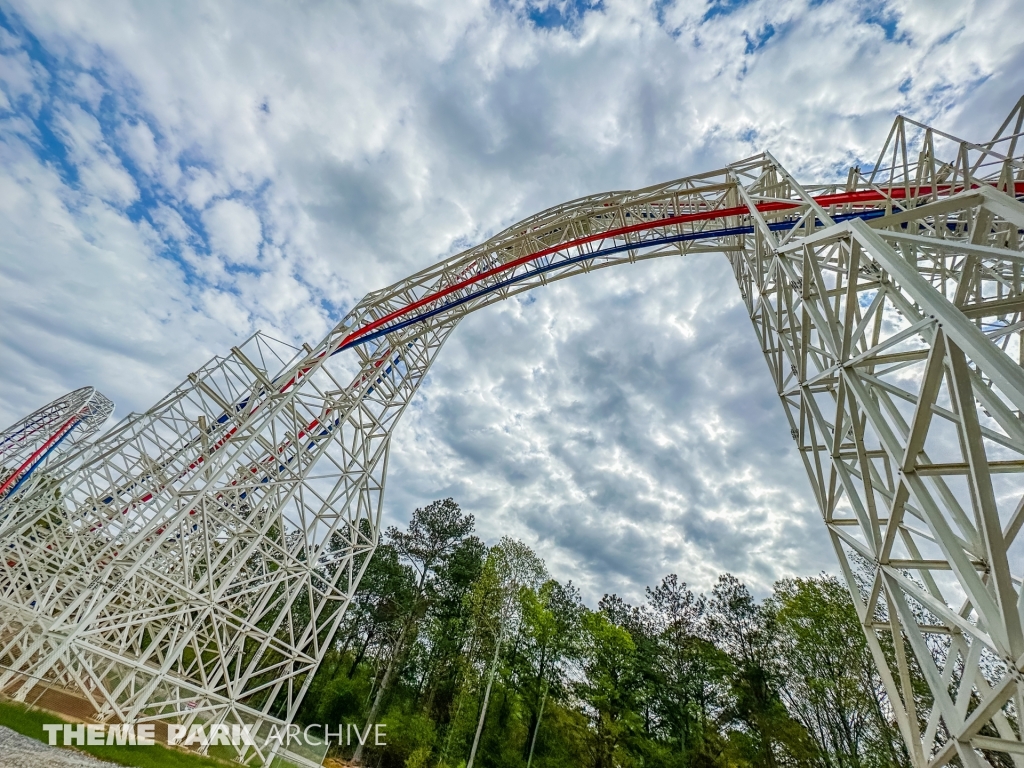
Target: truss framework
(199, 556)
(42, 437)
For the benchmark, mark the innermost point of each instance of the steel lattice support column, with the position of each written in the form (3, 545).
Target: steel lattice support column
(895, 346)
(57, 429)
(199, 556)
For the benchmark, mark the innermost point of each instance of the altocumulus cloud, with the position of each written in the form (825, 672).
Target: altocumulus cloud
(175, 176)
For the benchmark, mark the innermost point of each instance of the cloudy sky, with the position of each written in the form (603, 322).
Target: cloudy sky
(174, 176)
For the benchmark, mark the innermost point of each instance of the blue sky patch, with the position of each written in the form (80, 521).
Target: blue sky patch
(560, 15)
(759, 39)
(723, 8)
(883, 16)
(53, 103)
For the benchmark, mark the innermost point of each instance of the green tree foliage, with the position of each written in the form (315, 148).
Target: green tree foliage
(435, 533)
(612, 687)
(691, 676)
(551, 640)
(474, 656)
(766, 734)
(831, 683)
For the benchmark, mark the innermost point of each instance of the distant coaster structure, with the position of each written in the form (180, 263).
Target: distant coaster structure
(192, 564)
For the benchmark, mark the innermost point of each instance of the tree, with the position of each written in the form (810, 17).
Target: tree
(448, 626)
(831, 683)
(379, 608)
(611, 687)
(744, 629)
(480, 649)
(511, 569)
(551, 637)
(693, 674)
(434, 533)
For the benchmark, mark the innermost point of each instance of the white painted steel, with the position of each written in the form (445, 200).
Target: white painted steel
(45, 437)
(200, 555)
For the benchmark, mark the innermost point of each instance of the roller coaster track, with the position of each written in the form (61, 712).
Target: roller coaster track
(198, 557)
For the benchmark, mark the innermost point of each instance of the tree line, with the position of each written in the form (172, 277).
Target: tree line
(475, 657)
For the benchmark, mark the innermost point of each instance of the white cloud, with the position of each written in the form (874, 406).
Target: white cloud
(140, 145)
(234, 231)
(100, 171)
(88, 89)
(84, 299)
(623, 423)
(171, 223)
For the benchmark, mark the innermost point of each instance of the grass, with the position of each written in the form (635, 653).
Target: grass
(29, 722)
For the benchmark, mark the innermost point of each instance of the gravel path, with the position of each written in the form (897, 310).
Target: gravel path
(17, 751)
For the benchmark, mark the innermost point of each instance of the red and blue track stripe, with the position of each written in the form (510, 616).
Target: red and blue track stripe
(385, 325)
(380, 327)
(17, 478)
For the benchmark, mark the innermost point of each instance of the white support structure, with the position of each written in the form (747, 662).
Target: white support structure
(48, 434)
(199, 556)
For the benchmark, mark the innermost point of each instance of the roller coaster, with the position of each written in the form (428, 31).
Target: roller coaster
(192, 563)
